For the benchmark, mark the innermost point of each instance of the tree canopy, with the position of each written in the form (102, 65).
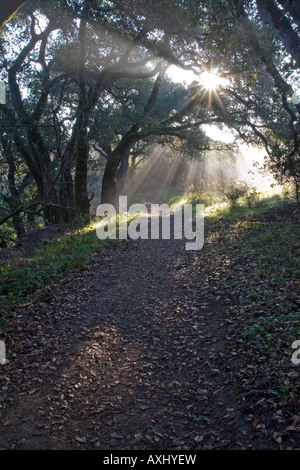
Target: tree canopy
(91, 75)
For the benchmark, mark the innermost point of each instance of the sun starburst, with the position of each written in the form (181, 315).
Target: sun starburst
(212, 80)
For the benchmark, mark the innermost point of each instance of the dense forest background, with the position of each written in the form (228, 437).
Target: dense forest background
(90, 101)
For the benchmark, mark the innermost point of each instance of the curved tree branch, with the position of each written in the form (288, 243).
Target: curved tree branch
(8, 9)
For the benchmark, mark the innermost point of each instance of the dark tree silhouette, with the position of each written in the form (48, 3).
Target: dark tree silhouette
(7, 9)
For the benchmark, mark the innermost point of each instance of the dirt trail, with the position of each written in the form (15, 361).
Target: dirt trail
(127, 353)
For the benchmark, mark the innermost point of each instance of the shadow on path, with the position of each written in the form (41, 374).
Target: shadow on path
(127, 353)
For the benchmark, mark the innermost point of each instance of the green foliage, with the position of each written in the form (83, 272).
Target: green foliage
(234, 195)
(22, 275)
(45, 73)
(253, 267)
(236, 192)
(269, 289)
(252, 196)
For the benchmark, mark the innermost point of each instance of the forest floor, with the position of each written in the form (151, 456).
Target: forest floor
(140, 349)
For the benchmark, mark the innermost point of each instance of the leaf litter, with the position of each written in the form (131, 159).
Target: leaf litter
(131, 352)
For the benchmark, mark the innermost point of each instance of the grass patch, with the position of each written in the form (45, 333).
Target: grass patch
(251, 259)
(218, 206)
(253, 266)
(23, 274)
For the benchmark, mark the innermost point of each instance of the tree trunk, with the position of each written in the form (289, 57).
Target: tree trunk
(81, 196)
(122, 174)
(43, 176)
(273, 16)
(13, 200)
(66, 195)
(8, 9)
(82, 147)
(109, 182)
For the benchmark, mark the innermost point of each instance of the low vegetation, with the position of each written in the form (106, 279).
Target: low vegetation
(251, 259)
(25, 270)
